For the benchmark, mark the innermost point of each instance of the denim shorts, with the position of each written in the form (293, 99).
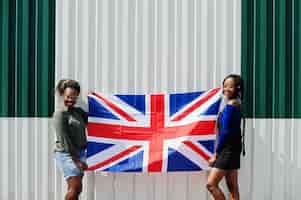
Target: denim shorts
(65, 163)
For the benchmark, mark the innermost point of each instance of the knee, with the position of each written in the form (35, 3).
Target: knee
(73, 193)
(210, 186)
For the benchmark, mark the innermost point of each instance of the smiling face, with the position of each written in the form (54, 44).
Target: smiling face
(229, 88)
(70, 96)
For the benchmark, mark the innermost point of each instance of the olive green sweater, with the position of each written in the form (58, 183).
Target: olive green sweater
(70, 129)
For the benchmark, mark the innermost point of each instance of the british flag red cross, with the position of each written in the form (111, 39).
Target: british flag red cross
(152, 132)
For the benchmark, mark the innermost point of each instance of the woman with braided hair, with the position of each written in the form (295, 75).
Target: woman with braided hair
(70, 130)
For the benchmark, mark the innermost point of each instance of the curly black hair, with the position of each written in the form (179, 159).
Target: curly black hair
(67, 83)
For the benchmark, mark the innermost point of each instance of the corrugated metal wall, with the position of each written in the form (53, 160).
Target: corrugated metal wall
(274, 159)
(271, 57)
(142, 46)
(270, 171)
(138, 46)
(26, 170)
(27, 58)
(147, 45)
(271, 69)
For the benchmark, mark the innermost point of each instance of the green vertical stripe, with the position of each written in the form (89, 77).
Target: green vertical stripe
(270, 64)
(22, 64)
(268, 70)
(297, 57)
(27, 58)
(51, 61)
(247, 48)
(289, 61)
(261, 55)
(31, 49)
(45, 48)
(4, 58)
(12, 61)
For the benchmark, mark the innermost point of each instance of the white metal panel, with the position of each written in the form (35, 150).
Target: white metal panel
(139, 46)
(27, 170)
(142, 46)
(270, 171)
(276, 159)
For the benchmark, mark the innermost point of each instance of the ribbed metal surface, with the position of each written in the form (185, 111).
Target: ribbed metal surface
(275, 159)
(141, 46)
(26, 168)
(270, 171)
(271, 57)
(138, 46)
(26, 58)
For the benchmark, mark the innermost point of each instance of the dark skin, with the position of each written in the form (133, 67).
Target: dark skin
(70, 96)
(216, 175)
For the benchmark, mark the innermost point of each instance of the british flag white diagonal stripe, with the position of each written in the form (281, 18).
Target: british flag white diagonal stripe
(152, 132)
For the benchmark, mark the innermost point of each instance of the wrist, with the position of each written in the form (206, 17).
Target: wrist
(75, 159)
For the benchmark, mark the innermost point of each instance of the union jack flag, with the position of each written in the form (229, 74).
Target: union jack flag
(153, 132)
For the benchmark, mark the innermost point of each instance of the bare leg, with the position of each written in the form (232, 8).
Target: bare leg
(232, 183)
(215, 176)
(74, 188)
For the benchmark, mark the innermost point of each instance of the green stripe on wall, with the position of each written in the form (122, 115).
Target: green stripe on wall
(297, 58)
(27, 40)
(271, 58)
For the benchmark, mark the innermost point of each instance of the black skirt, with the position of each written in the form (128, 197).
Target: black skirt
(227, 160)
